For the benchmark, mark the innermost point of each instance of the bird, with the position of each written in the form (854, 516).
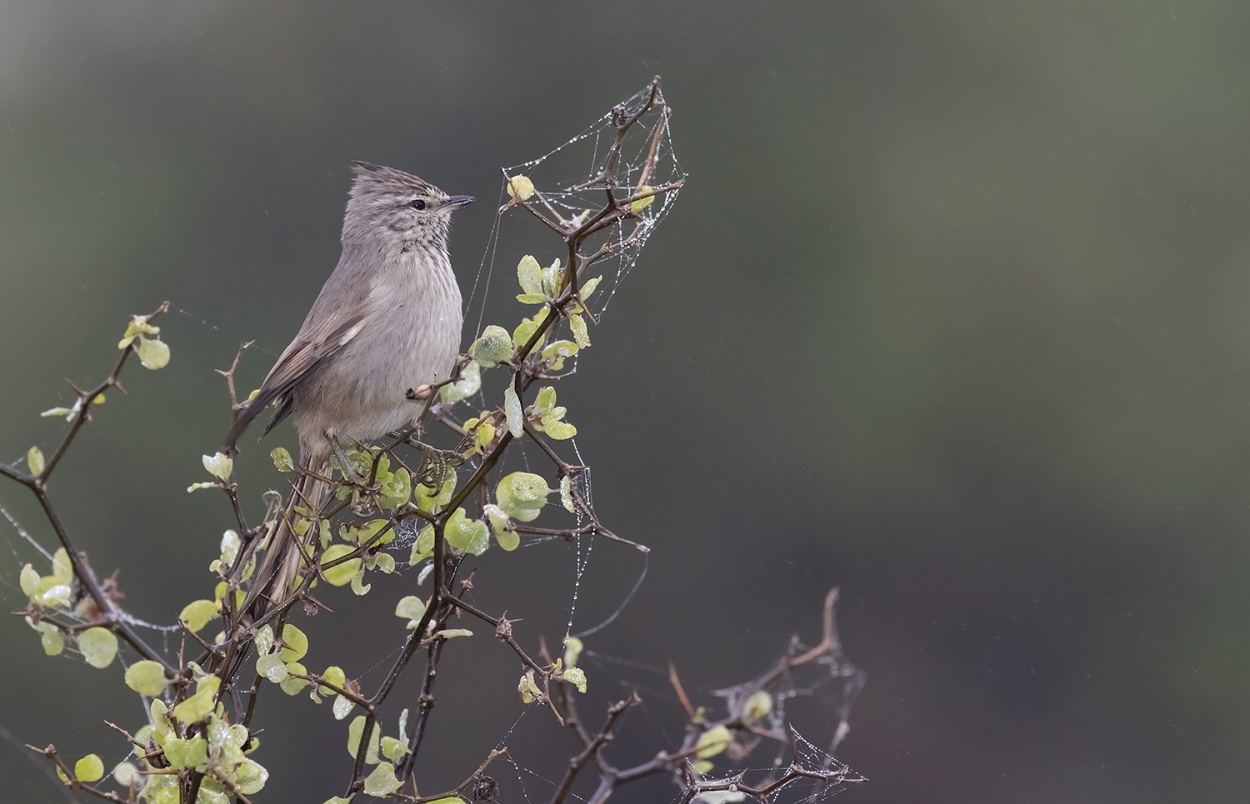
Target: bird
(387, 321)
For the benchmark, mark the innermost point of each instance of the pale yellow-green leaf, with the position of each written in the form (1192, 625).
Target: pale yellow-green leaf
(411, 608)
(34, 461)
(153, 353)
(333, 675)
(429, 500)
(588, 287)
(513, 412)
(382, 782)
(577, 677)
(188, 753)
(52, 642)
(528, 326)
(272, 667)
(712, 742)
(529, 275)
(342, 707)
(294, 644)
(229, 547)
(555, 353)
(263, 640)
(508, 539)
(146, 677)
(354, 731)
(759, 704)
(531, 298)
(62, 567)
(127, 774)
(483, 435)
(492, 348)
(520, 187)
(578, 325)
(197, 613)
(545, 400)
(572, 651)
(292, 685)
(89, 769)
(340, 574)
(423, 547)
(639, 204)
(29, 580)
(566, 494)
(453, 633)
(470, 383)
(282, 459)
(338, 800)
(198, 706)
(249, 777)
(98, 646)
(448, 800)
(393, 749)
(396, 490)
(218, 465)
(551, 278)
(383, 562)
(528, 688)
(201, 487)
(359, 587)
(467, 535)
(522, 495)
(66, 412)
(557, 429)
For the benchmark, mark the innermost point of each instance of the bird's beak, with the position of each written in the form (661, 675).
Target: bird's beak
(457, 201)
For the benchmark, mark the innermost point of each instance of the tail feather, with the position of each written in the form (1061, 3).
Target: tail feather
(279, 571)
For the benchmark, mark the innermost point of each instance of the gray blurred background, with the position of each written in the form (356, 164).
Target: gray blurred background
(951, 315)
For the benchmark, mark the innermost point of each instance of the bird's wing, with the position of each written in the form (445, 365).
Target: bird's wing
(300, 359)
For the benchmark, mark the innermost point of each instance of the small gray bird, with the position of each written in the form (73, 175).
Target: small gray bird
(387, 321)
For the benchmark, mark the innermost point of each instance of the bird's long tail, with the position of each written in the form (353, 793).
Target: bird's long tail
(279, 572)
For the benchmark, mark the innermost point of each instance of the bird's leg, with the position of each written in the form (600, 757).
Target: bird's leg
(434, 463)
(345, 464)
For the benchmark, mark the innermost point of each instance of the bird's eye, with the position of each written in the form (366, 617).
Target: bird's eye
(417, 203)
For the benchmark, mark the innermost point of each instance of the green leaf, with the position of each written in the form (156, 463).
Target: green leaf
(219, 465)
(555, 353)
(589, 286)
(189, 753)
(62, 567)
(508, 539)
(545, 400)
(513, 412)
(411, 608)
(528, 326)
(448, 800)
(295, 644)
(341, 574)
(551, 278)
(470, 383)
(492, 348)
(467, 535)
(338, 800)
(98, 646)
(292, 685)
(423, 547)
(566, 495)
(577, 677)
(264, 639)
(66, 412)
(712, 742)
(382, 782)
(36, 464)
(520, 187)
(396, 490)
(639, 204)
(50, 638)
(393, 749)
(522, 495)
(556, 429)
(198, 706)
(428, 501)
(282, 459)
(453, 633)
(531, 298)
(759, 704)
(197, 613)
(272, 667)
(343, 707)
(573, 648)
(354, 731)
(146, 677)
(580, 335)
(153, 353)
(334, 675)
(29, 581)
(89, 769)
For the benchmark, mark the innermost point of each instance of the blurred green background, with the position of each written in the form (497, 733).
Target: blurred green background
(951, 315)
